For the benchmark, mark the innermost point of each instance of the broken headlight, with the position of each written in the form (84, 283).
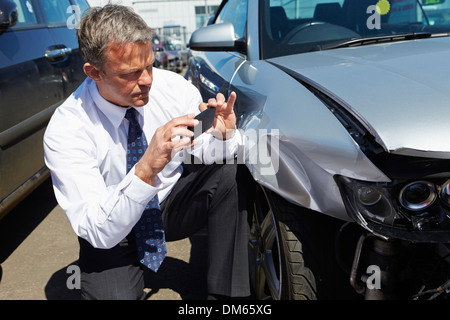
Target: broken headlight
(411, 210)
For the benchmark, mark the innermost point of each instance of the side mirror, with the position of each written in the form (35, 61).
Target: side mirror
(216, 37)
(8, 15)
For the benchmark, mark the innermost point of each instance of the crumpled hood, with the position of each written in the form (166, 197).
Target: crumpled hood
(402, 89)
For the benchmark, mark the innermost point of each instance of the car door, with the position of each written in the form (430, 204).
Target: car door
(39, 67)
(63, 17)
(212, 72)
(29, 85)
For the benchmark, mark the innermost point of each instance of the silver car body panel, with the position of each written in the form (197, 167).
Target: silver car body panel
(305, 154)
(214, 34)
(252, 31)
(317, 150)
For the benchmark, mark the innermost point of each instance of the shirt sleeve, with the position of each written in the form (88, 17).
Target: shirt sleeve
(211, 150)
(103, 215)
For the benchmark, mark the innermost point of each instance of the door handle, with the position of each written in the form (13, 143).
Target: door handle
(54, 53)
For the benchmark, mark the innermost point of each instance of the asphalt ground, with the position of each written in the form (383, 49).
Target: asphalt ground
(39, 255)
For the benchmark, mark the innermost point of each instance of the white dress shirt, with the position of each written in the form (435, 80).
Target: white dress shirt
(85, 147)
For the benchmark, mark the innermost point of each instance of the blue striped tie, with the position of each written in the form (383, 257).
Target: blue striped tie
(149, 231)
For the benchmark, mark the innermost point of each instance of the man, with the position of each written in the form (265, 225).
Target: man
(115, 149)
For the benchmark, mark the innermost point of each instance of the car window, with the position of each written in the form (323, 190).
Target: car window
(305, 9)
(300, 26)
(25, 12)
(56, 10)
(82, 5)
(235, 11)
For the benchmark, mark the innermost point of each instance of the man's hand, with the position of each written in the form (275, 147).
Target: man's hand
(164, 145)
(225, 119)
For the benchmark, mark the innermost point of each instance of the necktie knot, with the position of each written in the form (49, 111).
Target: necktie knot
(136, 138)
(132, 116)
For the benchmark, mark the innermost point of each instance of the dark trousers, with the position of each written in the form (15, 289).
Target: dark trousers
(209, 196)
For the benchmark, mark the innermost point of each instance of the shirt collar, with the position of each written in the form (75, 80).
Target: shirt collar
(114, 113)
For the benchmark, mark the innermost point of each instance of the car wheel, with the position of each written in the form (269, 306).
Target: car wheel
(294, 250)
(280, 271)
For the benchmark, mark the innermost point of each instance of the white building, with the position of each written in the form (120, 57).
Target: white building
(176, 19)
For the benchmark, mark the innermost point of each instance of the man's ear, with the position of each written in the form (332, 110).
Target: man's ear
(92, 71)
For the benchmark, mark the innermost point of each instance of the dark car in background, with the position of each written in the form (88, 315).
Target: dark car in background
(174, 57)
(161, 60)
(40, 66)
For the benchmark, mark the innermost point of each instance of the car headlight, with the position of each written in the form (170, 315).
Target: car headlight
(209, 84)
(417, 196)
(445, 193)
(410, 210)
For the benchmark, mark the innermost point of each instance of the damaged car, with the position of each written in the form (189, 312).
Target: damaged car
(345, 109)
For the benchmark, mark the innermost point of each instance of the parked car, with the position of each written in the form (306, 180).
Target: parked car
(173, 56)
(183, 51)
(344, 107)
(40, 66)
(161, 59)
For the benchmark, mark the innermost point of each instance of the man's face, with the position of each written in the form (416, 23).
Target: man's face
(127, 74)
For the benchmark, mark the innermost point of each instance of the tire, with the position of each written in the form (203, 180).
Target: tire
(295, 252)
(298, 281)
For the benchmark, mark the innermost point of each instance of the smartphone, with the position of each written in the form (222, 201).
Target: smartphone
(206, 119)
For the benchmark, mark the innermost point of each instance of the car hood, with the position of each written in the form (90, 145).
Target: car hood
(400, 90)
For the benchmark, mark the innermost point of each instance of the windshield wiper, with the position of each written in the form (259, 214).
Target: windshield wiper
(377, 39)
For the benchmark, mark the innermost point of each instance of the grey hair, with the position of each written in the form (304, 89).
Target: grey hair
(112, 24)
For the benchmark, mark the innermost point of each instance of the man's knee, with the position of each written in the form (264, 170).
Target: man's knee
(123, 283)
(227, 175)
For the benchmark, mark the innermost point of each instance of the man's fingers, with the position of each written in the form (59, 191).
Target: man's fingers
(181, 144)
(180, 132)
(232, 98)
(227, 107)
(212, 102)
(218, 101)
(183, 121)
(203, 106)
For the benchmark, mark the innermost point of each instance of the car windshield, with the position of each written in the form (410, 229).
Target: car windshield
(297, 26)
(169, 46)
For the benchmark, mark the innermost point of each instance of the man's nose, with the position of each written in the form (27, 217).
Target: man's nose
(146, 78)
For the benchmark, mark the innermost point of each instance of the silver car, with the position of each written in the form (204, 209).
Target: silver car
(345, 108)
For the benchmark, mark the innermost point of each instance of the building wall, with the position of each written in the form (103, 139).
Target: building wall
(162, 13)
